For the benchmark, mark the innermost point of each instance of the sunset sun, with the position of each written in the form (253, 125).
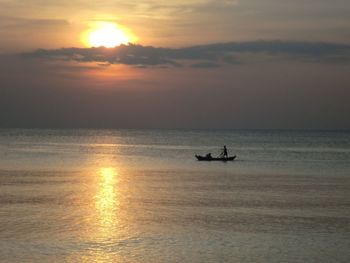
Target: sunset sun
(106, 34)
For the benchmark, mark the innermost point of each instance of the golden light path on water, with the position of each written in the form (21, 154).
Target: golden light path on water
(106, 204)
(107, 200)
(100, 221)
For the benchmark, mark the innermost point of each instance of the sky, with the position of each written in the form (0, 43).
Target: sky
(224, 64)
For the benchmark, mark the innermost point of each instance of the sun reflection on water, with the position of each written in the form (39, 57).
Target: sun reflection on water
(107, 200)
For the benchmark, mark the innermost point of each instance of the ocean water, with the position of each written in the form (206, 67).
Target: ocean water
(140, 196)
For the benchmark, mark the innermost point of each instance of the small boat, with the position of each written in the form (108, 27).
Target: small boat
(223, 159)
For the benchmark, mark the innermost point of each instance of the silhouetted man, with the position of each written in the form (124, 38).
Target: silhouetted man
(224, 152)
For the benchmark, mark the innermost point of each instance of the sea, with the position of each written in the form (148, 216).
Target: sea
(133, 195)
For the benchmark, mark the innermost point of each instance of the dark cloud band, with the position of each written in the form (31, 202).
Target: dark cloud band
(204, 56)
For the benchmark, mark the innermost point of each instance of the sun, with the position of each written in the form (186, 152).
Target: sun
(106, 34)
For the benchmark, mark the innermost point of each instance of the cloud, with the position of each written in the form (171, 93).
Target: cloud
(205, 65)
(212, 55)
(8, 22)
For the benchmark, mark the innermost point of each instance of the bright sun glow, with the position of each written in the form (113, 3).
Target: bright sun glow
(106, 34)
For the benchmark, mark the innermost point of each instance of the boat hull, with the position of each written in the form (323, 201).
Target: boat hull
(222, 159)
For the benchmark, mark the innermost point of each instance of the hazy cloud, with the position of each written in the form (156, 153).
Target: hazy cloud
(16, 22)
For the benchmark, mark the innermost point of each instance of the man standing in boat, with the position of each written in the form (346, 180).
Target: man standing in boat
(224, 152)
